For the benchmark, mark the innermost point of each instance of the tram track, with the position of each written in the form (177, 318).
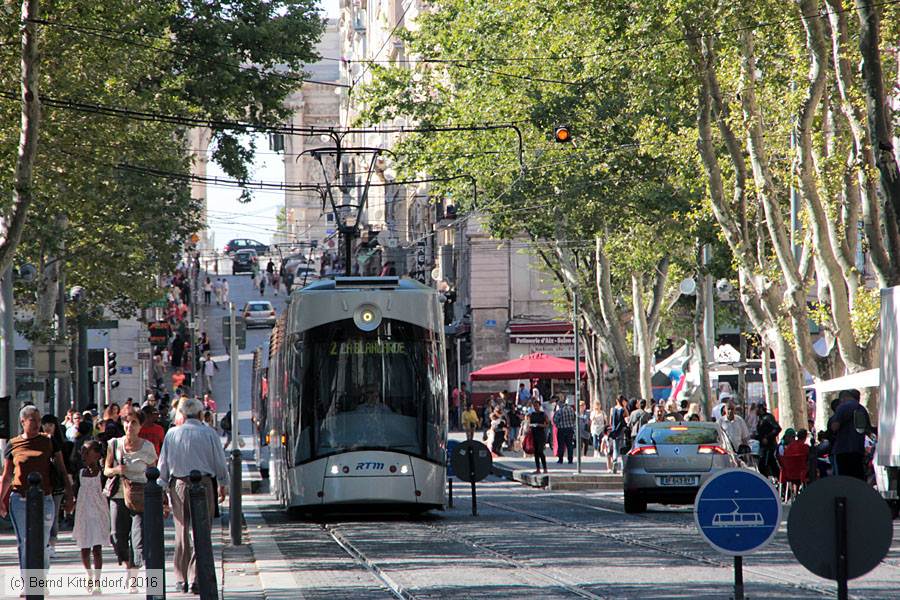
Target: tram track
(397, 590)
(611, 506)
(641, 542)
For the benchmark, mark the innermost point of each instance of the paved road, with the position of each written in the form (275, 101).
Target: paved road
(241, 291)
(529, 542)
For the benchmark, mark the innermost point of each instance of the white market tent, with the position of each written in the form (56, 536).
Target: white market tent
(863, 379)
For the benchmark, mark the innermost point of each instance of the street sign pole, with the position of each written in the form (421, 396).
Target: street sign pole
(470, 451)
(106, 397)
(738, 578)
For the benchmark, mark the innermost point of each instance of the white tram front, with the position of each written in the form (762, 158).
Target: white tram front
(359, 406)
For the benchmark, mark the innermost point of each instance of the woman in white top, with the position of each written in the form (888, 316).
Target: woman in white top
(128, 457)
(598, 425)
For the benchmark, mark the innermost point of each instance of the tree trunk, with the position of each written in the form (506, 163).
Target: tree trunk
(791, 398)
(11, 225)
(706, 398)
(879, 125)
(641, 336)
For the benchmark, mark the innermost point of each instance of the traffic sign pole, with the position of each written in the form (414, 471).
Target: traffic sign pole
(470, 451)
(738, 578)
(840, 529)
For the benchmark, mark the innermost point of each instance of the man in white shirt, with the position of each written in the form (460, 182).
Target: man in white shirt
(718, 410)
(735, 427)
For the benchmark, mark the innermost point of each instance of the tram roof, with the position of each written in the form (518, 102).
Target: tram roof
(359, 283)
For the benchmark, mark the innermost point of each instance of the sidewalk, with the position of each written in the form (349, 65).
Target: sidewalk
(236, 574)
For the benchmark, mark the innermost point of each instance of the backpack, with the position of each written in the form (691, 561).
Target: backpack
(861, 420)
(225, 423)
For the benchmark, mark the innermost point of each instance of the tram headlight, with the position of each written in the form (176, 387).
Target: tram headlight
(404, 469)
(367, 317)
(334, 469)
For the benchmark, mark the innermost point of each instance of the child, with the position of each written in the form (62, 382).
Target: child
(92, 515)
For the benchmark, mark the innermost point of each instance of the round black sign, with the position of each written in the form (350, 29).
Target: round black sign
(471, 461)
(812, 527)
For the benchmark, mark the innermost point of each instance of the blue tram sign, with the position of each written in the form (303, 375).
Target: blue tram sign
(737, 511)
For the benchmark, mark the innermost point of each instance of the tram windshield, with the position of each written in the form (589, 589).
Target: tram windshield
(369, 390)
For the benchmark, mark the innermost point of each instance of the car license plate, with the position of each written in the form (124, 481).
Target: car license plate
(679, 480)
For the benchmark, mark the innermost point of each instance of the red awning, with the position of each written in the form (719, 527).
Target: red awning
(533, 366)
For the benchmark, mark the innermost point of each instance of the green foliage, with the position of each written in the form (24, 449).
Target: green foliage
(180, 58)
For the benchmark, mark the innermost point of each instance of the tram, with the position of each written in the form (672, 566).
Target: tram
(357, 400)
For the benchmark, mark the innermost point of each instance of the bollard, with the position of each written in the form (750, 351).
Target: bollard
(235, 500)
(200, 523)
(34, 532)
(154, 532)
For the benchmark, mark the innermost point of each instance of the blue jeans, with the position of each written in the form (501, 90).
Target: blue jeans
(17, 516)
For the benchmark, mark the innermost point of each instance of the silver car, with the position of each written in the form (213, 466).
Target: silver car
(259, 313)
(669, 461)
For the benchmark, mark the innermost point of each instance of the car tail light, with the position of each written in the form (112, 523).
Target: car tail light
(711, 449)
(272, 313)
(642, 450)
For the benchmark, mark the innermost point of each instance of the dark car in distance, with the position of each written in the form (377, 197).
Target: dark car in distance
(244, 244)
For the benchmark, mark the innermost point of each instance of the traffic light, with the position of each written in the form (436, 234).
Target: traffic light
(449, 299)
(110, 359)
(562, 134)
(465, 350)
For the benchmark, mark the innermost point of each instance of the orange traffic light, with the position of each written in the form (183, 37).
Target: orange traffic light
(562, 134)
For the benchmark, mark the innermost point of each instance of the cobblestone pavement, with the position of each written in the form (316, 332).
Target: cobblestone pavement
(531, 542)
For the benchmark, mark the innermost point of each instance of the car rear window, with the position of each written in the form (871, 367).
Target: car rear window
(260, 306)
(679, 434)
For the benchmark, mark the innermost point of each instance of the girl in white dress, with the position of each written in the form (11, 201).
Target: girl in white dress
(91, 529)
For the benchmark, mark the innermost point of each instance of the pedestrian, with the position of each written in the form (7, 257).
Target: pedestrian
(190, 447)
(127, 459)
(262, 286)
(524, 396)
(225, 424)
(598, 423)
(637, 418)
(91, 530)
(565, 421)
(736, 430)
(151, 430)
(276, 282)
(470, 421)
(618, 417)
(207, 291)
(50, 428)
(225, 291)
(177, 351)
(850, 424)
(217, 290)
(537, 425)
(31, 452)
(514, 420)
(178, 378)
(498, 428)
(209, 403)
(767, 430)
(209, 370)
(459, 397)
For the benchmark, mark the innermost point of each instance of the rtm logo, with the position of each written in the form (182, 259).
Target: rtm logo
(369, 466)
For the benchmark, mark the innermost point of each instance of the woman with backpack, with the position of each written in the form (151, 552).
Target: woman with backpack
(617, 419)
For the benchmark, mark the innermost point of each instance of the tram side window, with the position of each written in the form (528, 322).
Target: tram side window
(302, 415)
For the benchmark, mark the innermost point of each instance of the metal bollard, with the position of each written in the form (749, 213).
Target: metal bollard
(200, 523)
(34, 532)
(235, 500)
(154, 532)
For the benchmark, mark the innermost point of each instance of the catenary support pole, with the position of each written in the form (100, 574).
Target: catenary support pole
(577, 379)
(235, 499)
(7, 347)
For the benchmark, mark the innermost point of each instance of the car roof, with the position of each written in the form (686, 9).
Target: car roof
(695, 424)
(258, 302)
(246, 251)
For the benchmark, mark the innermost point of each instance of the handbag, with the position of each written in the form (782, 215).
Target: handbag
(112, 484)
(134, 495)
(528, 443)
